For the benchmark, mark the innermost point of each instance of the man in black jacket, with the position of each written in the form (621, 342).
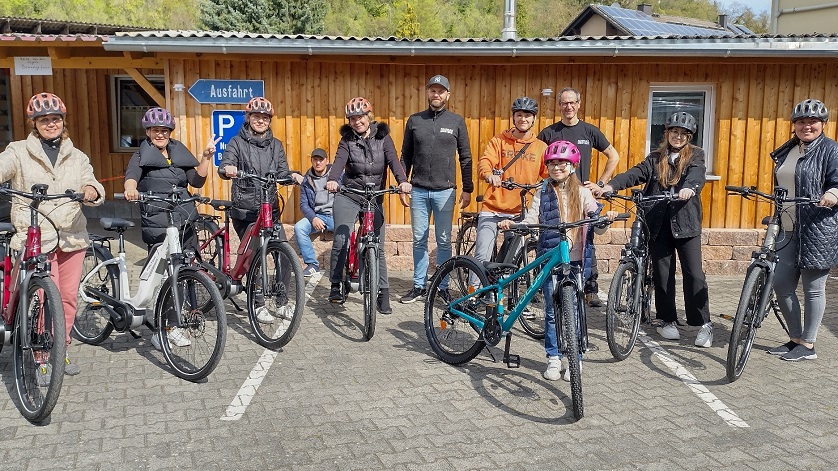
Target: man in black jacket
(431, 138)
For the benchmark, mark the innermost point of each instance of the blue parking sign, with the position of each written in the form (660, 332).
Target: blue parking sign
(225, 125)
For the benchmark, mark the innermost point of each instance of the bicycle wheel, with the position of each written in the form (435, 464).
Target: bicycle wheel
(39, 353)
(466, 238)
(744, 324)
(532, 319)
(570, 343)
(454, 339)
(623, 311)
(275, 310)
(369, 288)
(93, 324)
(210, 249)
(192, 349)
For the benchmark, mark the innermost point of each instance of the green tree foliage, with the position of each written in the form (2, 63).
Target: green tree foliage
(402, 18)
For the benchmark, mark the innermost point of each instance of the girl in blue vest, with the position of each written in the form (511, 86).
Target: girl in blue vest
(561, 198)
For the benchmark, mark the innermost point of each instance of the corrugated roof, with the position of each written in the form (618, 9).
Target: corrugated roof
(29, 38)
(814, 45)
(53, 27)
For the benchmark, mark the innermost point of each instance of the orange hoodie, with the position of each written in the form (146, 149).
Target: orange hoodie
(528, 169)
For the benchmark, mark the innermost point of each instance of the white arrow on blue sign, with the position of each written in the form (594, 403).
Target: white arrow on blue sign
(225, 125)
(226, 91)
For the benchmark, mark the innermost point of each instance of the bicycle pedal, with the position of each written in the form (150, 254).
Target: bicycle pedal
(513, 361)
(134, 334)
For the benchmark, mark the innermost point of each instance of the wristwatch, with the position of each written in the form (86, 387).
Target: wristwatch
(600, 184)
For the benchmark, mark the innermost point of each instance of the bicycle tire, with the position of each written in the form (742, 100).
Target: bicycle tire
(744, 323)
(623, 311)
(454, 339)
(570, 341)
(369, 289)
(93, 324)
(210, 249)
(532, 318)
(284, 298)
(466, 238)
(204, 324)
(35, 401)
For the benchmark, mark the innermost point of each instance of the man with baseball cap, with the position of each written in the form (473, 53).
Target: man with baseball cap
(316, 204)
(432, 139)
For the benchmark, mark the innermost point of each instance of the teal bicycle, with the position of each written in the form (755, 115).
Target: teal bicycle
(463, 320)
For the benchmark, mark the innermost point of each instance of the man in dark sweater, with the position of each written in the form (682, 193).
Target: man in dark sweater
(586, 137)
(431, 139)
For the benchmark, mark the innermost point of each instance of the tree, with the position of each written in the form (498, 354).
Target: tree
(264, 16)
(408, 26)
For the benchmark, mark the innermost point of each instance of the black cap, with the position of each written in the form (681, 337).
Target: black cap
(439, 80)
(319, 153)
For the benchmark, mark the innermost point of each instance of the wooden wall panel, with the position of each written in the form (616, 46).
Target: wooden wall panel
(752, 108)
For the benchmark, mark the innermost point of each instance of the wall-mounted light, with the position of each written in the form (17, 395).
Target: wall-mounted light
(178, 87)
(546, 91)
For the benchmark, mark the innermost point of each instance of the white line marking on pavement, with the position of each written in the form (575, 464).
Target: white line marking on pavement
(247, 392)
(692, 382)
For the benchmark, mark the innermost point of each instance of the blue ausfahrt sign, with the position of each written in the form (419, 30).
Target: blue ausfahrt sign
(226, 91)
(225, 125)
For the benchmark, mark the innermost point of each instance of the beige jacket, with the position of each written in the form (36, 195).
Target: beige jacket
(25, 163)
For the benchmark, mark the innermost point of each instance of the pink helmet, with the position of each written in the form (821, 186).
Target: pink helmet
(562, 150)
(43, 104)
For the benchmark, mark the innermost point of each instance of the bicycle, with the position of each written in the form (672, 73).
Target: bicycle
(178, 302)
(275, 294)
(517, 250)
(757, 290)
(459, 329)
(630, 293)
(33, 314)
(360, 272)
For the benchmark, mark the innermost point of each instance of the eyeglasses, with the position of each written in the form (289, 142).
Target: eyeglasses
(45, 120)
(680, 134)
(561, 165)
(160, 131)
(260, 117)
(568, 104)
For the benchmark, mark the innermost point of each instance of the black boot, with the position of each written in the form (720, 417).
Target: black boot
(384, 301)
(335, 296)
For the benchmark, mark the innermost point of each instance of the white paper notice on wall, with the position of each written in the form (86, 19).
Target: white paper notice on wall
(33, 65)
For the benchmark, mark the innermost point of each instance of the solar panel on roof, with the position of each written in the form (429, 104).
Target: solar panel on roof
(639, 24)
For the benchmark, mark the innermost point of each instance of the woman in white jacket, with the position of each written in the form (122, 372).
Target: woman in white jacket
(48, 156)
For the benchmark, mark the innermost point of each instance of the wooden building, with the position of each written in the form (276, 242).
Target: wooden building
(742, 88)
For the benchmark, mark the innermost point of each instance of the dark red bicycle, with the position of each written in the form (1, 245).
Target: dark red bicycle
(266, 262)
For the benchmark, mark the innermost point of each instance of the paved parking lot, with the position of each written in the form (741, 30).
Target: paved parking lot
(329, 400)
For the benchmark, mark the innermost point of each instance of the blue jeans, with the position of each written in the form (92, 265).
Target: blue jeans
(423, 204)
(551, 341)
(302, 234)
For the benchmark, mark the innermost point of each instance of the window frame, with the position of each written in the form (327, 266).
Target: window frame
(708, 118)
(116, 115)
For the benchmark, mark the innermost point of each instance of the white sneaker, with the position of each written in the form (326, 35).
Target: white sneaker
(178, 337)
(263, 315)
(286, 312)
(554, 369)
(705, 336)
(669, 331)
(155, 342)
(566, 370)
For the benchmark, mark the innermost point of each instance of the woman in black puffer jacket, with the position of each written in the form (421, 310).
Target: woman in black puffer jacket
(807, 166)
(364, 152)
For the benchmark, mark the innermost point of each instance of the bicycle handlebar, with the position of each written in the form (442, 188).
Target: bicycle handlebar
(268, 179)
(510, 184)
(597, 221)
(778, 196)
(173, 198)
(638, 197)
(39, 194)
(368, 192)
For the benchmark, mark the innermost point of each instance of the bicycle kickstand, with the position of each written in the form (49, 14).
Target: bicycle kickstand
(511, 360)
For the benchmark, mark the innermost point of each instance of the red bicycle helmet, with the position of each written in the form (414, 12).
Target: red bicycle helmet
(562, 150)
(260, 105)
(358, 106)
(45, 103)
(158, 117)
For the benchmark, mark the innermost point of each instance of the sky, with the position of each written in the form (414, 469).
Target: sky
(756, 5)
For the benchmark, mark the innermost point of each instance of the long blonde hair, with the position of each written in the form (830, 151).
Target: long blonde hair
(668, 177)
(572, 211)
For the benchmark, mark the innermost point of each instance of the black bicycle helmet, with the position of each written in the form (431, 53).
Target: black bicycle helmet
(810, 108)
(681, 119)
(525, 104)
